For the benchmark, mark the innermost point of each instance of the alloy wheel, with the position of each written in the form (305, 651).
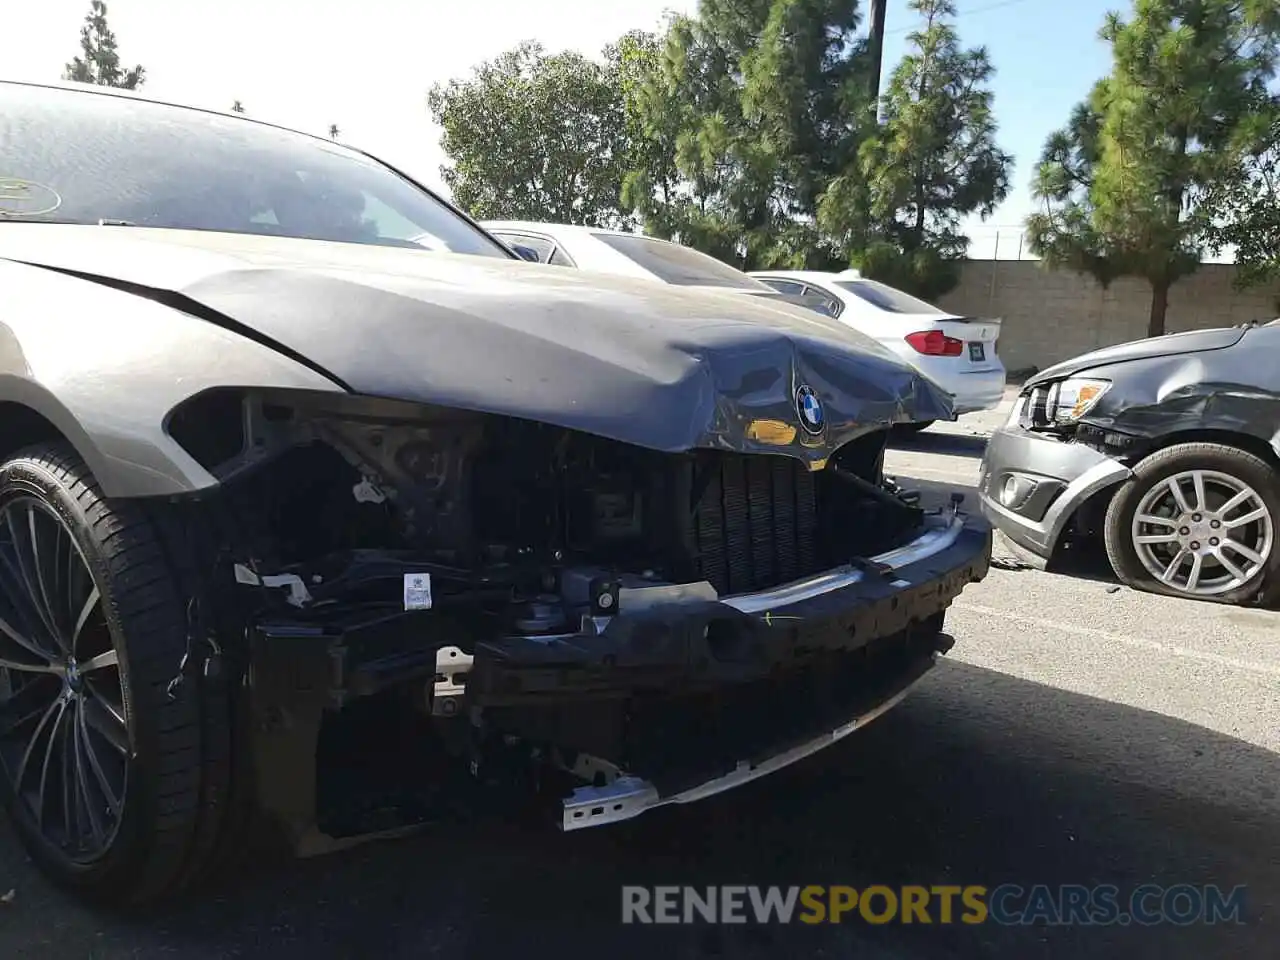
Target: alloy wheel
(64, 740)
(1203, 532)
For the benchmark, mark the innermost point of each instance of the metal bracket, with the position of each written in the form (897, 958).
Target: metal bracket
(447, 692)
(589, 768)
(873, 567)
(299, 595)
(366, 491)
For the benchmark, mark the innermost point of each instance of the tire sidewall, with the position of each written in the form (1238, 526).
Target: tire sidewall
(24, 477)
(1162, 464)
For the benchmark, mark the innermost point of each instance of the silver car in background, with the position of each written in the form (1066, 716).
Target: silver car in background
(634, 255)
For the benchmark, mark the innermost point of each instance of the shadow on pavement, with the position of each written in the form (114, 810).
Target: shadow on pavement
(978, 778)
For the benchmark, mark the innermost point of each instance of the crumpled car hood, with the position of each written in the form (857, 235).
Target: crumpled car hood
(1170, 345)
(628, 359)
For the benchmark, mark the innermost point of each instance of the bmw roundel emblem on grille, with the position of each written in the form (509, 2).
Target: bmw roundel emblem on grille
(809, 409)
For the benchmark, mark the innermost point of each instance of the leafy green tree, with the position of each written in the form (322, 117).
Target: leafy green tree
(667, 185)
(99, 62)
(1124, 183)
(757, 102)
(651, 123)
(931, 162)
(805, 91)
(536, 136)
(1246, 207)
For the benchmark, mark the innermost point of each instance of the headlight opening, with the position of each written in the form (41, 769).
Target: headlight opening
(1071, 399)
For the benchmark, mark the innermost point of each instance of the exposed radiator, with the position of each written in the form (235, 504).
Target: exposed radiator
(755, 523)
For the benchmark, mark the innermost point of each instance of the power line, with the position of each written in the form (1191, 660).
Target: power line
(961, 14)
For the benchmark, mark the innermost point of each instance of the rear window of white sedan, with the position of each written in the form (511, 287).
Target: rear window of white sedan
(887, 298)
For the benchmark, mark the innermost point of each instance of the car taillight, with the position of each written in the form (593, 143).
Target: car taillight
(935, 343)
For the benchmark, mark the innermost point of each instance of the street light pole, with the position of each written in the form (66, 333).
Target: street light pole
(877, 53)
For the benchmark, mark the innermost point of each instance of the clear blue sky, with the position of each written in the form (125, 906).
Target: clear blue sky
(366, 64)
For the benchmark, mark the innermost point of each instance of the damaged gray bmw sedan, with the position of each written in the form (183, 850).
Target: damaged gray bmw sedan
(322, 512)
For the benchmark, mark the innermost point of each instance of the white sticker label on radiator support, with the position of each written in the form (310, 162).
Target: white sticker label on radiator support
(417, 591)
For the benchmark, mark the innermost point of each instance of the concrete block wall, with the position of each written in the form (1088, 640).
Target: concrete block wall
(1052, 315)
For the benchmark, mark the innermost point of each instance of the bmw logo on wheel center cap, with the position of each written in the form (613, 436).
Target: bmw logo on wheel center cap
(809, 409)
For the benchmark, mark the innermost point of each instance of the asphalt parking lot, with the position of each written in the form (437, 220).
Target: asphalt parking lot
(1077, 733)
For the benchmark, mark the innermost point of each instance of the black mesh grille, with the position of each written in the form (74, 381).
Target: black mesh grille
(755, 524)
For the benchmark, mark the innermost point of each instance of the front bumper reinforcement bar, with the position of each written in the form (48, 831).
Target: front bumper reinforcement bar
(950, 551)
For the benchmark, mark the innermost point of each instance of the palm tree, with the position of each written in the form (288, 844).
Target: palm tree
(333, 131)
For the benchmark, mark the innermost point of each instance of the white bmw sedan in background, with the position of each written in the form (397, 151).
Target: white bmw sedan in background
(634, 255)
(958, 353)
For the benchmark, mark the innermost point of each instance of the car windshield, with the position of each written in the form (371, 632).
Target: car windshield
(680, 265)
(887, 298)
(71, 156)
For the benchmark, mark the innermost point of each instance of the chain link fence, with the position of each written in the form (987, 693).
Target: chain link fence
(1000, 241)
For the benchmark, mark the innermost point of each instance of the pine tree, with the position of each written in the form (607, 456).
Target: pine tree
(99, 62)
(932, 161)
(758, 104)
(1124, 183)
(1246, 206)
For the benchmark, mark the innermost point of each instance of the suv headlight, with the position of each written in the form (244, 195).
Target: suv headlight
(1071, 399)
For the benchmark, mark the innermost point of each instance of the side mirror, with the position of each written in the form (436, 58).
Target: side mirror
(526, 253)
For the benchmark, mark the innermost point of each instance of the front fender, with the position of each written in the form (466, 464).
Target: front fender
(1231, 390)
(106, 367)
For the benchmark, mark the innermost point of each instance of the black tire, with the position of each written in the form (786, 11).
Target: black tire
(1263, 585)
(912, 428)
(181, 793)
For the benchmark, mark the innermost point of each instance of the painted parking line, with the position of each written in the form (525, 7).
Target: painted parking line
(1061, 626)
